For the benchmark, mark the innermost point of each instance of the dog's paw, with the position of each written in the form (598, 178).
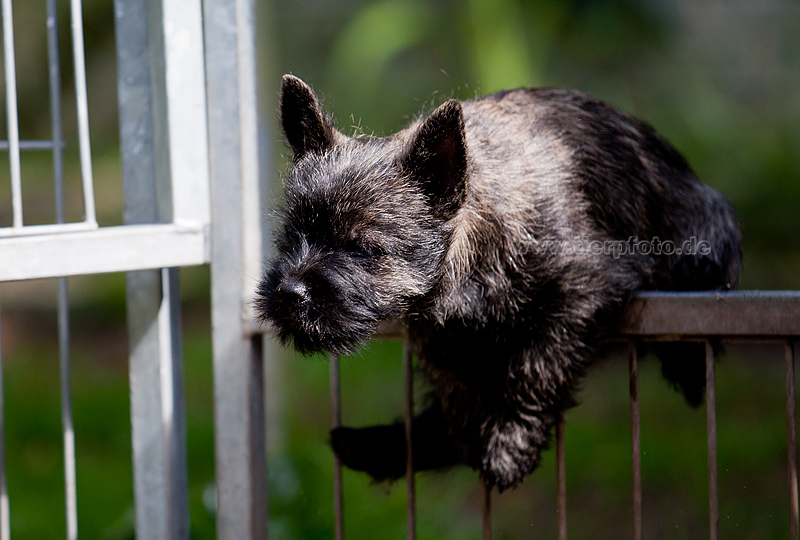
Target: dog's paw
(696, 273)
(379, 451)
(511, 453)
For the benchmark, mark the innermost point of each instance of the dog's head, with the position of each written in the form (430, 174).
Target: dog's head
(365, 223)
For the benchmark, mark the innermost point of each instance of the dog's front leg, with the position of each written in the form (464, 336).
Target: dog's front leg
(540, 385)
(380, 451)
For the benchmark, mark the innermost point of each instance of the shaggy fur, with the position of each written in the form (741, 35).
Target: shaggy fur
(478, 226)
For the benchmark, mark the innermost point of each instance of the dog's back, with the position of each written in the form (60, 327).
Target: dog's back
(607, 177)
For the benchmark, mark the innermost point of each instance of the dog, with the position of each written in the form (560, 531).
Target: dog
(507, 234)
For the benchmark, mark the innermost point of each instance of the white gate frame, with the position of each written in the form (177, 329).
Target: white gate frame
(190, 158)
(187, 79)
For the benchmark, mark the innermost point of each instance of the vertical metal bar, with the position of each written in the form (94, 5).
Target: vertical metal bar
(70, 473)
(157, 403)
(636, 447)
(173, 415)
(153, 296)
(250, 216)
(487, 511)
(241, 488)
(5, 527)
(55, 107)
(791, 432)
(258, 444)
(11, 112)
(83, 111)
(336, 421)
(157, 413)
(252, 209)
(711, 422)
(561, 474)
(411, 507)
(180, 99)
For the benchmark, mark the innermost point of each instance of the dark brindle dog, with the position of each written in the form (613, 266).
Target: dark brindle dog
(507, 234)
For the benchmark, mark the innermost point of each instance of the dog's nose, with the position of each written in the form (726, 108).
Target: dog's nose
(292, 292)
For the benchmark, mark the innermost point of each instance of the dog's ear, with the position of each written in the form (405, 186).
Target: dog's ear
(306, 127)
(437, 158)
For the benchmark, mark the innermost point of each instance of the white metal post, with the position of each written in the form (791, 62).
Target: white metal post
(164, 142)
(157, 410)
(238, 367)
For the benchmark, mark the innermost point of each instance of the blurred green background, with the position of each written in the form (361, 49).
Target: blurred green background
(721, 80)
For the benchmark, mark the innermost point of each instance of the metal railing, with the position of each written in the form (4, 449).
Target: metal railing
(734, 316)
(764, 317)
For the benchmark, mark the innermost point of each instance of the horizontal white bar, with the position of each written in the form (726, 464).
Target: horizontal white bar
(108, 249)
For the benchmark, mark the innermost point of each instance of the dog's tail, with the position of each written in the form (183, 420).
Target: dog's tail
(683, 365)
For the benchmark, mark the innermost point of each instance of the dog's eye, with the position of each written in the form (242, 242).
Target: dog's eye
(366, 249)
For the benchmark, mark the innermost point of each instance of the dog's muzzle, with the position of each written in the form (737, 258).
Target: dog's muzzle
(292, 293)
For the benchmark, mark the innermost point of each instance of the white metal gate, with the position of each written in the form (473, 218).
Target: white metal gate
(188, 122)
